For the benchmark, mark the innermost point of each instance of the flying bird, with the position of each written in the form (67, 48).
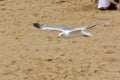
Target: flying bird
(66, 32)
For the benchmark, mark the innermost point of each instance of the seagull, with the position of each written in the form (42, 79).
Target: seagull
(66, 32)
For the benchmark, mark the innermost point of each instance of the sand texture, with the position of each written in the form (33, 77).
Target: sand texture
(27, 53)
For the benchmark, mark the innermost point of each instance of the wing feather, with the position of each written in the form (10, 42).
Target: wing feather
(47, 27)
(84, 27)
(76, 33)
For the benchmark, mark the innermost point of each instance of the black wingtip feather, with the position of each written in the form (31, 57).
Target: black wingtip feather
(91, 26)
(36, 25)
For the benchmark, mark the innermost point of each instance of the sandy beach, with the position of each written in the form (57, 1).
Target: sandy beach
(28, 53)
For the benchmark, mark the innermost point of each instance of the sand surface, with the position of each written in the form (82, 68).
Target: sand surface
(27, 53)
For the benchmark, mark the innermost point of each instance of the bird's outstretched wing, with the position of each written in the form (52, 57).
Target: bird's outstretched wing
(80, 31)
(84, 27)
(76, 33)
(47, 27)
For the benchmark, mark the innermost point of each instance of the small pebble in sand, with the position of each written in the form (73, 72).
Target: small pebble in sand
(107, 23)
(48, 59)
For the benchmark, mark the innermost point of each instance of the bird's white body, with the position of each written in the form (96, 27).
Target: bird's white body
(66, 32)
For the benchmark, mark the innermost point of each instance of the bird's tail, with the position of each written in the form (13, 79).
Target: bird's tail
(37, 25)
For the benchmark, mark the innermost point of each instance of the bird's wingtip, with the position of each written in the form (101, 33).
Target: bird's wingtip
(36, 25)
